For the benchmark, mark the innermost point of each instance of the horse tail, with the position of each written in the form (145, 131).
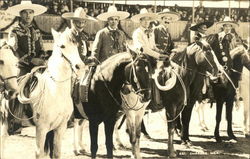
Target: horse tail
(48, 146)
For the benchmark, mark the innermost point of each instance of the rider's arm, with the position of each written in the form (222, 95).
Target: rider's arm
(140, 44)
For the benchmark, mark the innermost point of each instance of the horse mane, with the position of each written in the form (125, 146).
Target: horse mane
(106, 68)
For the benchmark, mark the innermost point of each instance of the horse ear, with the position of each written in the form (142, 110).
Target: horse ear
(55, 34)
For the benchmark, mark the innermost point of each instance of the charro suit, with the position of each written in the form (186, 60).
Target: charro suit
(107, 43)
(163, 39)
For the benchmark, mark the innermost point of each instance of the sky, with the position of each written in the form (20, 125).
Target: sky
(189, 3)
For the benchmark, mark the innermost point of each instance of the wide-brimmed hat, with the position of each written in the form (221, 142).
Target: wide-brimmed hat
(16, 9)
(173, 15)
(195, 27)
(112, 11)
(227, 20)
(143, 13)
(79, 14)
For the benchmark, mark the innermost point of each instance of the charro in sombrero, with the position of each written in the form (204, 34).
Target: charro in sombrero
(195, 27)
(112, 11)
(79, 14)
(173, 16)
(227, 20)
(143, 13)
(24, 5)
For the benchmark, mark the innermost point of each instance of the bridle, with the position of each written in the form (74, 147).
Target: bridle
(135, 79)
(71, 66)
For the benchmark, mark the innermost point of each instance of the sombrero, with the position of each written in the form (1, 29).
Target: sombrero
(16, 9)
(79, 14)
(195, 27)
(112, 11)
(227, 20)
(174, 16)
(143, 13)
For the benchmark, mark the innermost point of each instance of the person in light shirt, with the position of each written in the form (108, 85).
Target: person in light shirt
(143, 37)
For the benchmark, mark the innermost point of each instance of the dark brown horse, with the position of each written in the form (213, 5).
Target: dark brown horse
(194, 89)
(104, 98)
(225, 88)
(195, 61)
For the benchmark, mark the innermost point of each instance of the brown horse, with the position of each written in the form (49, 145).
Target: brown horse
(225, 88)
(196, 59)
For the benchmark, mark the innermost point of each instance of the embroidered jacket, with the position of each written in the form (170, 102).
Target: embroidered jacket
(82, 43)
(27, 41)
(107, 43)
(163, 39)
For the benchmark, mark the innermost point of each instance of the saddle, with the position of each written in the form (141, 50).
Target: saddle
(81, 87)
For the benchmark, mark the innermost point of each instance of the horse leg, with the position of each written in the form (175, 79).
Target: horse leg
(41, 133)
(78, 130)
(93, 131)
(134, 120)
(59, 132)
(185, 119)
(171, 126)
(229, 109)
(219, 106)
(109, 129)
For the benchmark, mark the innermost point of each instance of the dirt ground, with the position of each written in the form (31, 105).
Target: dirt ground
(204, 145)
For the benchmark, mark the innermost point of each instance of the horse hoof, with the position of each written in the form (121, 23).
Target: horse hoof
(172, 155)
(77, 153)
(218, 139)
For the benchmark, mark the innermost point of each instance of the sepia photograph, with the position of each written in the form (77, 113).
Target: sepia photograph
(124, 79)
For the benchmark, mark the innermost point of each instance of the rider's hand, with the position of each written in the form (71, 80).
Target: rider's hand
(37, 61)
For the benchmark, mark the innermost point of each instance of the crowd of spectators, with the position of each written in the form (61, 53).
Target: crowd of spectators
(58, 7)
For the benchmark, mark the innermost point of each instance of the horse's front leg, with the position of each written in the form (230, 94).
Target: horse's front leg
(229, 109)
(219, 105)
(78, 130)
(41, 132)
(58, 140)
(109, 129)
(93, 131)
(171, 128)
(134, 120)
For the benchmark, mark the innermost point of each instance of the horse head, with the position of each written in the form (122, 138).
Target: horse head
(8, 70)
(65, 46)
(137, 73)
(204, 53)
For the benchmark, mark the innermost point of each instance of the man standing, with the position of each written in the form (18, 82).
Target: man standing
(26, 41)
(163, 38)
(27, 37)
(110, 40)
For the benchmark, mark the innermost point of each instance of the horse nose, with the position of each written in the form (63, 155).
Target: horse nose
(77, 66)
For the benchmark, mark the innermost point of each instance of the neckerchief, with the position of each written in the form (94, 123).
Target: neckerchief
(115, 37)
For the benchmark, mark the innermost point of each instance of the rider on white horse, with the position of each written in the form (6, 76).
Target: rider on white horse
(26, 41)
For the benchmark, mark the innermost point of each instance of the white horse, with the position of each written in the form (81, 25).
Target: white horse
(51, 99)
(8, 87)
